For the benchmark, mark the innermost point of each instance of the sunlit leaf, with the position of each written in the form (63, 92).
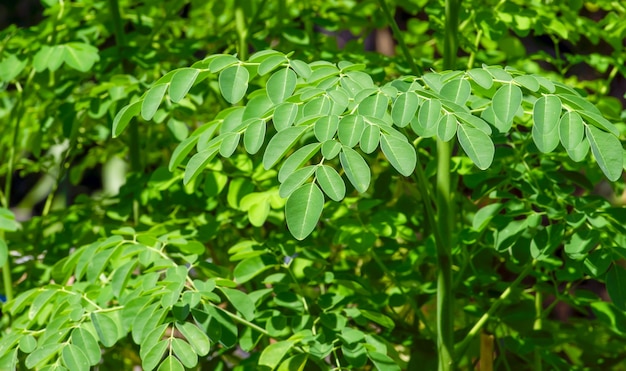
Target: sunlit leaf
(400, 153)
(404, 108)
(457, 90)
(303, 210)
(477, 145)
(274, 353)
(350, 130)
(152, 101)
(280, 144)
(297, 159)
(331, 183)
(281, 85)
(181, 82)
(233, 82)
(506, 103)
(197, 338)
(124, 116)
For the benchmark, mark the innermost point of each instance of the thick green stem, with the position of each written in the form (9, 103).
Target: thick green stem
(242, 30)
(538, 325)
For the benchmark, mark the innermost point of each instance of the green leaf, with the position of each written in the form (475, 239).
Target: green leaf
(87, 343)
(616, 286)
(281, 85)
(274, 353)
(152, 100)
(222, 61)
(181, 82)
(154, 355)
(481, 77)
(242, 302)
(579, 152)
(74, 358)
(106, 328)
(446, 127)
(280, 144)
(571, 130)
(427, 119)
(270, 63)
(80, 56)
(375, 105)
(198, 163)
(229, 144)
(297, 159)
(181, 151)
(527, 81)
(382, 362)
(254, 136)
(474, 121)
(331, 183)
(42, 354)
(124, 116)
(457, 90)
(350, 130)
(379, 318)
(184, 352)
(7, 220)
(370, 138)
(506, 102)
(284, 115)
(301, 68)
(326, 127)
(249, 268)
(233, 83)
(546, 114)
(295, 363)
(600, 122)
(477, 145)
(330, 149)
(400, 153)
(356, 169)
(295, 180)
(171, 363)
(303, 210)
(197, 338)
(28, 343)
(404, 108)
(608, 151)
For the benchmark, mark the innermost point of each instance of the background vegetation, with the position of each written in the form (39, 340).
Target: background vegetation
(119, 252)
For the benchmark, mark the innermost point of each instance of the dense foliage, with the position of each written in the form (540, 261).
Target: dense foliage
(272, 193)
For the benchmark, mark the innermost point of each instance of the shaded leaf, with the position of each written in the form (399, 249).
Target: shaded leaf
(546, 114)
(400, 153)
(477, 145)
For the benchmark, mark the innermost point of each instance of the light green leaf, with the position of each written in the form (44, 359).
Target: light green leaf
(28, 343)
(184, 352)
(302, 211)
(599, 122)
(284, 115)
(280, 144)
(242, 302)
(446, 127)
(330, 149)
(7, 220)
(356, 169)
(197, 338)
(274, 353)
(616, 286)
(350, 130)
(42, 354)
(301, 68)
(181, 82)
(254, 136)
(382, 362)
(477, 145)
(370, 138)
(233, 83)
(317, 106)
(74, 358)
(297, 159)
(571, 130)
(222, 61)
(106, 328)
(281, 85)
(527, 81)
(546, 114)
(404, 108)
(87, 343)
(80, 56)
(340, 101)
(400, 153)
(44, 57)
(295, 363)
(474, 121)
(198, 163)
(427, 119)
(607, 150)
(270, 63)
(154, 355)
(579, 152)
(152, 100)
(249, 268)
(181, 151)
(331, 183)
(171, 363)
(506, 102)
(481, 77)
(326, 127)
(375, 105)
(229, 144)
(457, 90)
(295, 180)
(124, 116)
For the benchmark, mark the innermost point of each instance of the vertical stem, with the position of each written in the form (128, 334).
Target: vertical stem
(242, 30)
(538, 325)
(445, 216)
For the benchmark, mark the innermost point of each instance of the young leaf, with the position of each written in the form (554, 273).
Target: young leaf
(477, 145)
(607, 150)
(356, 169)
(350, 130)
(281, 85)
(303, 210)
(181, 82)
(506, 103)
(233, 83)
(400, 153)
(152, 101)
(404, 108)
(280, 144)
(254, 136)
(571, 130)
(546, 114)
(124, 116)
(331, 182)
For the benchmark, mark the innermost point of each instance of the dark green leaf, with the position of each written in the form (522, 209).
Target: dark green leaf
(616, 286)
